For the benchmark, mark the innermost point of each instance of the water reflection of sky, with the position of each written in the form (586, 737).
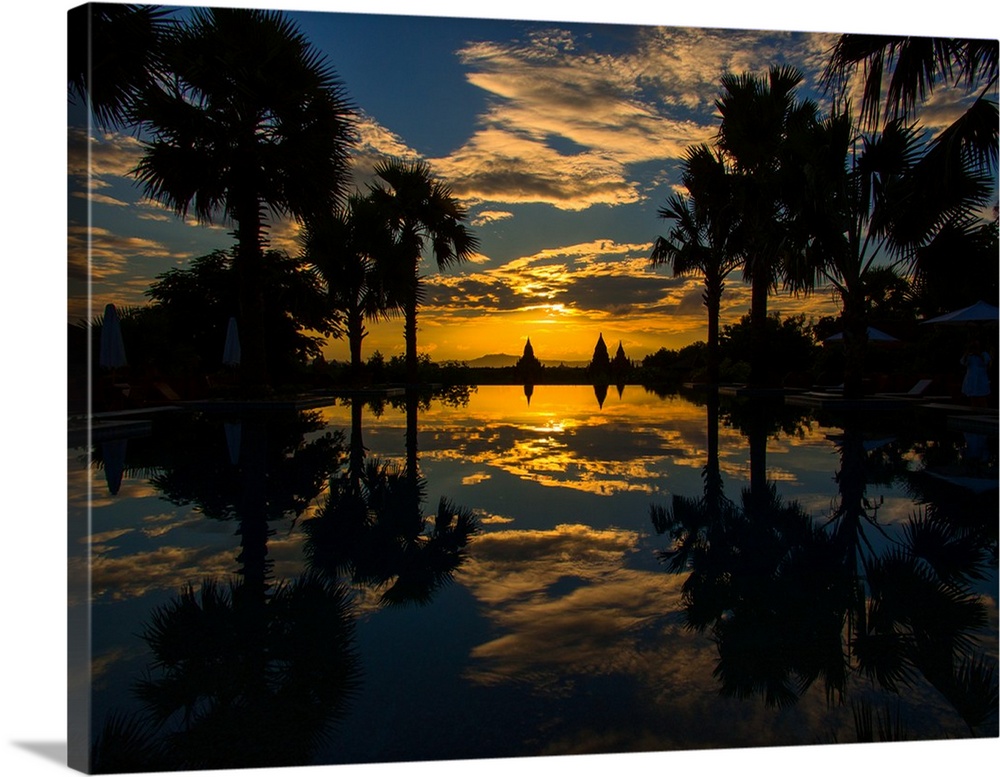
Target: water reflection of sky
(561, 632)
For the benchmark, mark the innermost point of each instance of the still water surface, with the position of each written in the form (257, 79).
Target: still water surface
(485, 574)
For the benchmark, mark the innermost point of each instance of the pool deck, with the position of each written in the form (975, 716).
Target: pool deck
(118, 424)
(114, 425)
(832, 401)
(314, 399)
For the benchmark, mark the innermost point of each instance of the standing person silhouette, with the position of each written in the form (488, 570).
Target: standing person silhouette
(976, 384)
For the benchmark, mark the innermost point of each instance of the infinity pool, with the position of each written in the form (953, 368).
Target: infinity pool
(489, 572)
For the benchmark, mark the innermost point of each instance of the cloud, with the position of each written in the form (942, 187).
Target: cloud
(112, 154)
(565, 121)
(103, 253)
(600, 276)
(682, 66)
(102, 199)
(489, 216)
(375, 144)
(555, 85)
(497, 165)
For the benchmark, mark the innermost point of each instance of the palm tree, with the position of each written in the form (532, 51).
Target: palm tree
(252, 123)
(699, 240)
(759, 136)
(114, 54)
(913, 67)
(353, 250)
(421, 209)
(877, 198)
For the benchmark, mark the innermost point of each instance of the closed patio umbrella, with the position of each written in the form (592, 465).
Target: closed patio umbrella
(113, 456)
(231, 351)
(112, 354)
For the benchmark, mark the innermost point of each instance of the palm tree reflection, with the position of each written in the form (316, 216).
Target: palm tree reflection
(372, 527)
(251, 678)
(789, 600)
(253, 671)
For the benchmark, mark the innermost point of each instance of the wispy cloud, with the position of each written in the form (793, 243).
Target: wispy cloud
(565, 120)
(485, 217)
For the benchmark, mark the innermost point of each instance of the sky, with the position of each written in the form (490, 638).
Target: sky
(561, 138)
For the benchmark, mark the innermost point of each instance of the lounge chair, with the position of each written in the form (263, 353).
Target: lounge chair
(919, 391)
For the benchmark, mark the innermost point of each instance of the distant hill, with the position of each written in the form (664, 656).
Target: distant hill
(494, 360)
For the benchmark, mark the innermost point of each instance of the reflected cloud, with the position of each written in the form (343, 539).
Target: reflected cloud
(165, 568)
(565, 604)
(564, 440)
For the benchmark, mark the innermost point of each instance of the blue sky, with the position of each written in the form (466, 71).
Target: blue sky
(561, 137)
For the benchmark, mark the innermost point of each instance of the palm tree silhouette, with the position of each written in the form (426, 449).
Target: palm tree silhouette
(114, 55)
(700, 238)
(888, 197)
(762, 126)
(252, 124)
(906, 70)
(420, 210)
(353, 249)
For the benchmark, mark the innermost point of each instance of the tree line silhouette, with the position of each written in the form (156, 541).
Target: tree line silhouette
(789, 196)
(241, 119)
(796, 199)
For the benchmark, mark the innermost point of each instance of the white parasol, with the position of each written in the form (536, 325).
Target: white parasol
(112, 346)
(981, 311)
(231, 351)
(874, 335)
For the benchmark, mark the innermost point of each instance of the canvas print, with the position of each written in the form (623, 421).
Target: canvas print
(465, 388)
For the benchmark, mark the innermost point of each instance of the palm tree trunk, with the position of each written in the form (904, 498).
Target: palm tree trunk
(712, 473)
(249, 261)
(355, 337)
(759, 370)
(855, 346)
(713, 302)
(410, 337)
(357, 446)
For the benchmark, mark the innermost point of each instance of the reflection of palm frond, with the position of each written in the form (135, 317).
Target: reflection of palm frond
(954, 558)
(137, 472)
(973, 690)
(372, 529)
(126, 744)
(429, 563)
(250, 681)
(872, 726)
(914, 621)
